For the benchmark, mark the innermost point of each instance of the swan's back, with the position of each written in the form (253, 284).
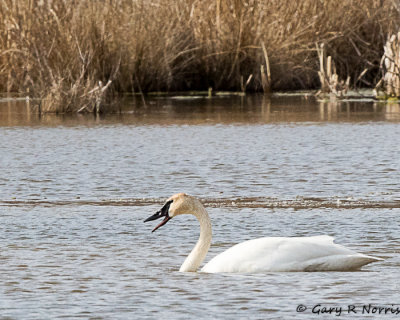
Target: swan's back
(287, 254)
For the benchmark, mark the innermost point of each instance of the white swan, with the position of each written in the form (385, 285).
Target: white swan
(317, 253)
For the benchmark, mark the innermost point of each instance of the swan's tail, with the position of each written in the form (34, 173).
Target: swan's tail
(365, 259)
(349, 262)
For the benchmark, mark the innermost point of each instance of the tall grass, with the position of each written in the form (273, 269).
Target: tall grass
(58, 50)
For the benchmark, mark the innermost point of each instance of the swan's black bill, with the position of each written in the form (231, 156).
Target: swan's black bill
(162, 213)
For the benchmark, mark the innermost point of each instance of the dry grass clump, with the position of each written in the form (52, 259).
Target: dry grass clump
(231, 34)
(56, 51)
(330, 82)
(59, 50)
(390, 65)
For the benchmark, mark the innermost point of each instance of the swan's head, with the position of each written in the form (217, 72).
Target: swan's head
(179, 203)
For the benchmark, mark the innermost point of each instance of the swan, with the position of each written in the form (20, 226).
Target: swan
(270, 254)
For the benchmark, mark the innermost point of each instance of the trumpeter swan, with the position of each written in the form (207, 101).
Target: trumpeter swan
(270, 254)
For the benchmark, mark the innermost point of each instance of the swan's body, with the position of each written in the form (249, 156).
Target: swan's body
(269, 254)
(287, 254)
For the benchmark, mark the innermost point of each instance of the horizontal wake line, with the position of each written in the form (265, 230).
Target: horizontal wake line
(259, 202)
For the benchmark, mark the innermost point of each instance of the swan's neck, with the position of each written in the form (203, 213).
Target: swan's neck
(199, 252)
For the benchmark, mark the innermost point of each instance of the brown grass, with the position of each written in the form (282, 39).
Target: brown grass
(390, 65)
(58, 50)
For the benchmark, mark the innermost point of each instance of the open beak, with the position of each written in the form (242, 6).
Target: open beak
(162, 213)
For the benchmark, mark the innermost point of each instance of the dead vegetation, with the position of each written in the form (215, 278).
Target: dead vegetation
(67, 52)
(389, 84)
(330, 82)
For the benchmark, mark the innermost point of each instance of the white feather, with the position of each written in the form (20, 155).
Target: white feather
(287, 254)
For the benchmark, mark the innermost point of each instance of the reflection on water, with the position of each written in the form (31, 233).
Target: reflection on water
(356, 111)
(76, 189)
(392, 111)
(250, 109)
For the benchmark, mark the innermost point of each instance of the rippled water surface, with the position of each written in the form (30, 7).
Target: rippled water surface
(76, 189)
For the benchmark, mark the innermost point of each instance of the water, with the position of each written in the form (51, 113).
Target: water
(75, 192)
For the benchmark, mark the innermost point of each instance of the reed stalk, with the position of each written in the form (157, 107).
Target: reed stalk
(330, 82)
(390, 66)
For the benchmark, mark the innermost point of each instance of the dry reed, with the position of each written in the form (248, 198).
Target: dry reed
(59, 50)
(390, 65)
(330, 82)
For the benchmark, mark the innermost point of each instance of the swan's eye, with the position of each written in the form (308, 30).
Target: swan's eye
(165, 209)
